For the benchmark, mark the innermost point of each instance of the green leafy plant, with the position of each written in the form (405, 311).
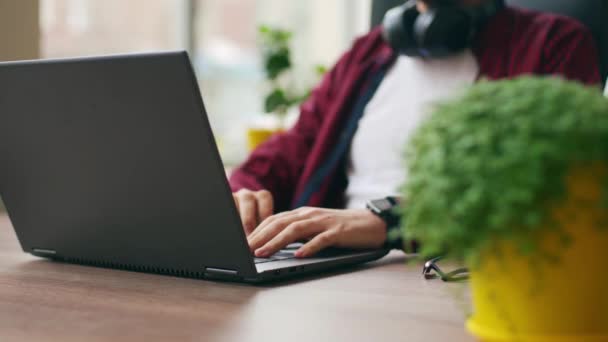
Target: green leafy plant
(490, 164)
(276, 52)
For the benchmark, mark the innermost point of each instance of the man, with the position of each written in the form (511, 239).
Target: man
(326, 170)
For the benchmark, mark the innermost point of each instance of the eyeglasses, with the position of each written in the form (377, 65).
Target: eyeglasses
(432, 271)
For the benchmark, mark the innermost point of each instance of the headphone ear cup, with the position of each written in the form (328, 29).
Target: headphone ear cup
(443, 31)
(397, 27)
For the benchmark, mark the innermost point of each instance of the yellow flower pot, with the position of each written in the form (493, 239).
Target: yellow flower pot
(531, 298)
(257, 136)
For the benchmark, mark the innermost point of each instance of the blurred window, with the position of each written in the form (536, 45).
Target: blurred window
(221, 36)
(93, 27)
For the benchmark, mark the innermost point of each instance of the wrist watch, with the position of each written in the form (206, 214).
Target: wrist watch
(384, 208)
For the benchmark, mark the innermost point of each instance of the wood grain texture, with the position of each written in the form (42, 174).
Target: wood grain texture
(383, 301)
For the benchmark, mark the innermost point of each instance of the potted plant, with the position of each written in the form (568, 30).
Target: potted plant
(512, 179)
(281, 95)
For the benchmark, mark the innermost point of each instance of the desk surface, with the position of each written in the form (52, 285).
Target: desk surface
(382, 301)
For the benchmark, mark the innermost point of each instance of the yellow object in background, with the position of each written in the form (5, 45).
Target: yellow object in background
(257, 136)
(532, 298)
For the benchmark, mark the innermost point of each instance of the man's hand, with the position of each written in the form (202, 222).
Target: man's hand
(254, 207)
(348, 228)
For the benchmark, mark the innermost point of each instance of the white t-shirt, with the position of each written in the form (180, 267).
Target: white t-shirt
(375, 167)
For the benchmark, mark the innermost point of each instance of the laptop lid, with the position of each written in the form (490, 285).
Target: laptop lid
(111, 161)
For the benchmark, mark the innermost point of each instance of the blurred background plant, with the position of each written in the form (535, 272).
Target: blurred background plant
(284, 87)
(276, 53)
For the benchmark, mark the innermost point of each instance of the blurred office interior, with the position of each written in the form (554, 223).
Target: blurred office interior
(221, 37)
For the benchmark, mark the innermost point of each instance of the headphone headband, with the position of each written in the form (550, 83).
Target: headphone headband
(446, 28)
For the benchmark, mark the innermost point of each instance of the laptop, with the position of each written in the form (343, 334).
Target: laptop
(110, 161)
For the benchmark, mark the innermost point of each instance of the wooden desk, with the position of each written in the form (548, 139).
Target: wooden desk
(383, 301)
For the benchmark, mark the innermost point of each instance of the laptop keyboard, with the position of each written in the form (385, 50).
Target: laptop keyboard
(284, 254)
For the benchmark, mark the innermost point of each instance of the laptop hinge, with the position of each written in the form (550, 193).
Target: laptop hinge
(222, 273)
(44, 252)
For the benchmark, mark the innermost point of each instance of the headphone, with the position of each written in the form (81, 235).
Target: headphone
(445, 29)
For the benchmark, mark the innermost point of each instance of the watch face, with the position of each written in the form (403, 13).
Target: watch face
(383, 204)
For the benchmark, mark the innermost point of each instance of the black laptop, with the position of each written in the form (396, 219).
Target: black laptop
(110, 161)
